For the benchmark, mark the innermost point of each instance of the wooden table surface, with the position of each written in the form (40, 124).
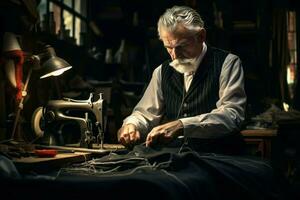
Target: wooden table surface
(259, 133)
(47, 164)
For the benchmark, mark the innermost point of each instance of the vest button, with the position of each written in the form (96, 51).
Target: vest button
(185, 105)
(185, 115)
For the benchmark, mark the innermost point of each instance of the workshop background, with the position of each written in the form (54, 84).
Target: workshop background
(113, 48)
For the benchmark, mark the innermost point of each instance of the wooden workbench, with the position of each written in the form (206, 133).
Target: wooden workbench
(45, 165)
(41, 165)
(259, 141)
(259, 133)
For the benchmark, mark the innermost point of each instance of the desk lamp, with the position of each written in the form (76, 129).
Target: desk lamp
(49, 65)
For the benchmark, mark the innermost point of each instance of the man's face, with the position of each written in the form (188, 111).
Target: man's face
(181, 44)
(184, 48)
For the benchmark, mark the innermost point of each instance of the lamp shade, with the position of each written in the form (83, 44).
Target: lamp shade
(50, 64)
(54, 66)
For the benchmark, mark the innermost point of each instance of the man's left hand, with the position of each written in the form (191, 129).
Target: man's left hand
(163, 134)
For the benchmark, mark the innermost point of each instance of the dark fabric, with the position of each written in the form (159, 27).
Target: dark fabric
(8, 169)
(179, 173)
(203, 92)
(160, 173)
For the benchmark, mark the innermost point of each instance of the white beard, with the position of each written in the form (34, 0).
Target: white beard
(184, 65)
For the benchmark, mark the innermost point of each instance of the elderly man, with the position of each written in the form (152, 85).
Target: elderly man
(199, 92)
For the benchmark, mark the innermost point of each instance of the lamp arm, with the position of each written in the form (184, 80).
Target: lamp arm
(20, 106)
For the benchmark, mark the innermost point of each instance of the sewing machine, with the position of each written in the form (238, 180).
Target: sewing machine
(58, 113)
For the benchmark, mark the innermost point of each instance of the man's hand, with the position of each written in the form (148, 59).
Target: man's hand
(164, 133)
(128, 135)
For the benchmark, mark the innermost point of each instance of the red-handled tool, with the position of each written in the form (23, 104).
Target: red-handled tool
(45, 152)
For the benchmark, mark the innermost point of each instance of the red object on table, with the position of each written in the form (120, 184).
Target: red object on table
(46, 152)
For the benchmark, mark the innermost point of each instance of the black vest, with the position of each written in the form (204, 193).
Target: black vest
(203, 92)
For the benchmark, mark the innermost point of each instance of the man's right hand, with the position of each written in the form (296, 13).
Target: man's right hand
(128, 135)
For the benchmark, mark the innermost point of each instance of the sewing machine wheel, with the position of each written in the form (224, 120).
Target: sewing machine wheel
(37, 121)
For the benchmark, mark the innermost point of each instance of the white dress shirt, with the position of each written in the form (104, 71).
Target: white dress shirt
(225, 118)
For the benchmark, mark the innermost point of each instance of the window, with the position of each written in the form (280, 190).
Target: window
(292, 45)
(64, 18)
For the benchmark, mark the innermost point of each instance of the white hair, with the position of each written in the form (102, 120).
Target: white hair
(180, 15)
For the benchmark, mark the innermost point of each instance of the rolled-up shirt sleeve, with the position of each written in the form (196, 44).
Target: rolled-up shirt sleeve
(149, 110)
(229, 112)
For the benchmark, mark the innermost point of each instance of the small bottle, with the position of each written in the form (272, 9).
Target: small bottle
(135, 19)
(45, 23)
(67, 34)
(61, 33)
(119, 54)
(82, 39)
(52, 25)
(108, 56)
